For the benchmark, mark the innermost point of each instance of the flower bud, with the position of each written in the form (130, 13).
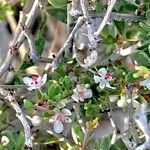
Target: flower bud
(4, 140)
(36, 120)
(122, 103)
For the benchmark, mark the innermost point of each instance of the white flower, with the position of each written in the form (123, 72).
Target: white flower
(35, 82)
(81, 93)
(146, 83)
(36, 120)
(103, 78)
(4, 140)
(91, 59)
(60, 117)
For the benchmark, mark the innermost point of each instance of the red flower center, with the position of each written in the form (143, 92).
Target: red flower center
(81, 93)
(107, 75)
(34, 78)
(60, 118)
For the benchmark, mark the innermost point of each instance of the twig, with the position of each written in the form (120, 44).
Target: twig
(20, 115)
(12, 86)
(106, 17)
(78, 116)
(71, 35)
(32, 52)
(120, 54)
(117, 16)
(51, 112)
(129, 50)
(86, 136)
(129, 94)
(93, 39)
(16, 43)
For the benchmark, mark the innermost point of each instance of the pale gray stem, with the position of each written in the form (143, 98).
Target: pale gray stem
(20, 115)
(70, 37)
(106, 17)
(16, 44)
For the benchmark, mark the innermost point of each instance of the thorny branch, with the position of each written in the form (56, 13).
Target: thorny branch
(20, 115)
(16, 44)
(70, 37)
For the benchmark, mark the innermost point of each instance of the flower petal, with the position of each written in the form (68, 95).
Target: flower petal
(108, 85)
(87, 94)
(102, 72)
(102, 84)
(39, 78)
(44, 78)
(66, 112)
(75, 97)
(27, 81)
(52, 119)
(146, 83)
(58, 126)
(97, 79)
(91, 59)
(31, 88)
(68, 120)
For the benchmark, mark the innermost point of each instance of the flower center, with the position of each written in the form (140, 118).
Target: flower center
(34, 78)
(81, 93)
(60, 118)
(107, 75)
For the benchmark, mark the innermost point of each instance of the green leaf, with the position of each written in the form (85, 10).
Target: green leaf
(148, 14)
(20, 142)
(58, 13)
(54, 91)
(120, 25)
(129, 77)
(39, 42)
(91, 139)
(60, 71)
(112, 30)
(142, 58)
(66, 83)
(145, 26)
(105, 143)
(99, 6)
(77, 133)
(27, 105)
(58, 3)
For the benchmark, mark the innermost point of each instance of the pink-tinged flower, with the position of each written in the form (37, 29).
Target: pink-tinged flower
(146, 83)
(81, 93)
(91, 59)
(35, 82)
(103, 79)
(60, 117)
